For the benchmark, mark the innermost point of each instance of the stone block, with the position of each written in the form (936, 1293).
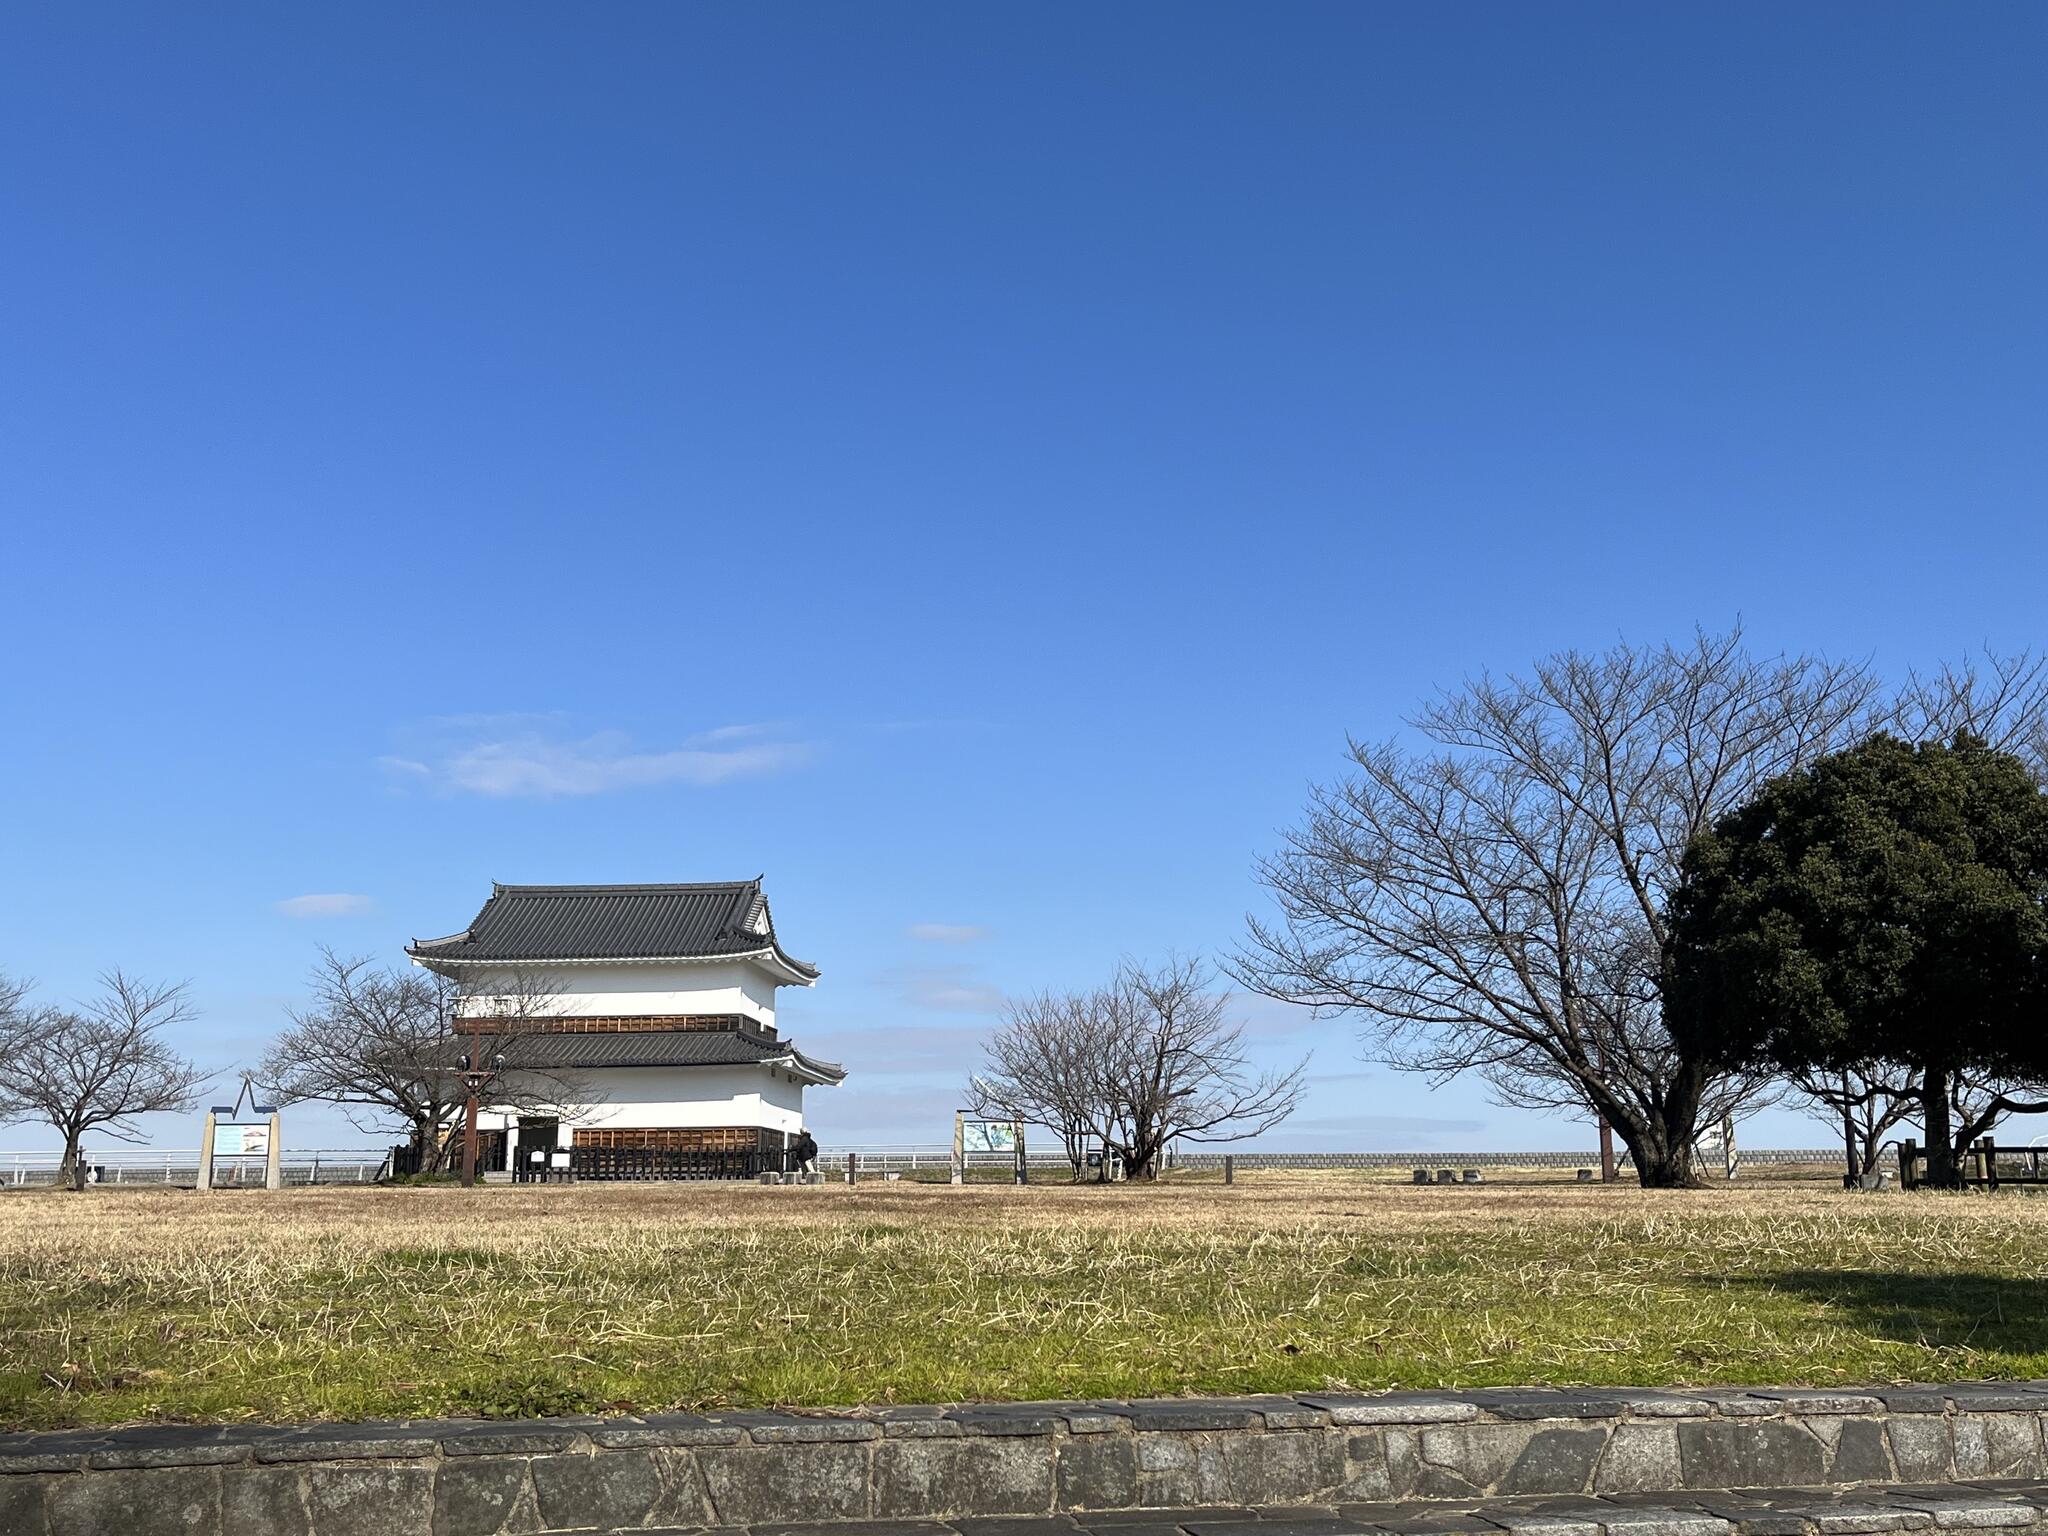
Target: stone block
(1650, 1404)
(1766, 1453)
(1807, 1400)
(1998, 1445)
(369, 1501)
(1640, 1458)
(1012, 1418)
(1963, 1513)
(1663, 1522)
(757, 1485)
(1736, 1404)
(1542, 1403)
(44, 1453)
(1467, 1458)
(1544, 1523)
(1189, 1414)
(1282, 1466)
(1921, 1448)
(922, 1429)
(1097, 1472)
(656, 1429)
(1366, 1474)
(171, 1445)
(1556, 1461)
(656, 1486)
(974, 1475)
(484, 1496)
(1394, 1408)
(1095, 1421)
(346, 1442)
(814, 1431)
(1849, 1519)
(1859, 1453)
(510, 1439)
(1912, 1399)
(262, 1501)
(1285, 1413)
(158, 1501)
(1017, 1525)
(23, 1511)
(1180, 1470)
(1994, 1397)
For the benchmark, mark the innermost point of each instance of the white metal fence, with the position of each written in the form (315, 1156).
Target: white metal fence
(364, 1165)
(174, 1166)
(938, 1156)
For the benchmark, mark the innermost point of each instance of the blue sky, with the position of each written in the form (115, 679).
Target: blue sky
(971, 464)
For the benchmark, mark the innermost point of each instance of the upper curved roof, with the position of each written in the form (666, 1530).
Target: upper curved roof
(542, 1050)
(708, 921)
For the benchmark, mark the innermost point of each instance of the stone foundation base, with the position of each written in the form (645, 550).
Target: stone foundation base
(1316, 1451)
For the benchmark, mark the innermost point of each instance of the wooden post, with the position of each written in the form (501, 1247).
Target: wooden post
(1909, 1163)
(959, 1147)
(1229, 1169)
(469, 1143)
(1990, 1162)
(1607, 1171)
(273, 1163)
(206, 1154)
(850, 1166)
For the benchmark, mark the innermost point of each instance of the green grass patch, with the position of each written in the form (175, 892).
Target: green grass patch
(515, 1302)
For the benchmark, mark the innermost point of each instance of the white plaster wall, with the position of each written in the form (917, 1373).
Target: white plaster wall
(719, 986)
(643, 1098)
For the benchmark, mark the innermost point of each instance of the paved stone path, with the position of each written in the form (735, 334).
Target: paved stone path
(2014, 1507)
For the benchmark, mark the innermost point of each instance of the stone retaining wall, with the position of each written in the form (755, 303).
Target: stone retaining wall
(694, 1472)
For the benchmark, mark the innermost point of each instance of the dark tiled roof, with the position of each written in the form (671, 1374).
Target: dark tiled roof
(661, 1048)
(616, 922)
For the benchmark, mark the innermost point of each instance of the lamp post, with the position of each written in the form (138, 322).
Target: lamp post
(475, 1078)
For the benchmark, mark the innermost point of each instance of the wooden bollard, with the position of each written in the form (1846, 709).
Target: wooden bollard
(850, 1167)
(1229, 1169)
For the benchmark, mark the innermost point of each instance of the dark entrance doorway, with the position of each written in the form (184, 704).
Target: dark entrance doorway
(539, 1136)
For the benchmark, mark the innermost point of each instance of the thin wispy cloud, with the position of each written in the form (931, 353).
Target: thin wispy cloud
(544, 757)
(325, 904)
(945, 988)
(943, 1051)
(945, 933)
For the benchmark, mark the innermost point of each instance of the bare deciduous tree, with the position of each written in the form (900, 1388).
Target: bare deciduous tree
(1496, 902)
(1149, 1059)
(2001, 700)
(1866, 1101)
(94, 1069)
(384, 1044)
(1043, 1068)
(14, 1011)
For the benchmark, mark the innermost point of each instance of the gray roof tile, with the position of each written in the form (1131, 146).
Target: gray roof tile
(616, 922)
(660, 1048)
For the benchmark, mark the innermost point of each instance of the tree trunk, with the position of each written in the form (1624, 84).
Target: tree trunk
(1661, 1148)
(1849, 1143)
(71, 1172)
(1943, 1169)
(1664, 1164)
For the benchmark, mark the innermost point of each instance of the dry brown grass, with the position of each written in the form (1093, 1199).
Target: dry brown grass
(352, 1303)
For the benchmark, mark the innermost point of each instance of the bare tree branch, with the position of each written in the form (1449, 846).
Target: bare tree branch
(1495, 902)
(1149, 1059)
(383, 1044)
(94, 1069)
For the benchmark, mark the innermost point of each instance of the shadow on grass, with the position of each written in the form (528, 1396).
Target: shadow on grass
(1989, 1314)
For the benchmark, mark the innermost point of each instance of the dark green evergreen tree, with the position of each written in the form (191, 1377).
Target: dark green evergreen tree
(1886, 904)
